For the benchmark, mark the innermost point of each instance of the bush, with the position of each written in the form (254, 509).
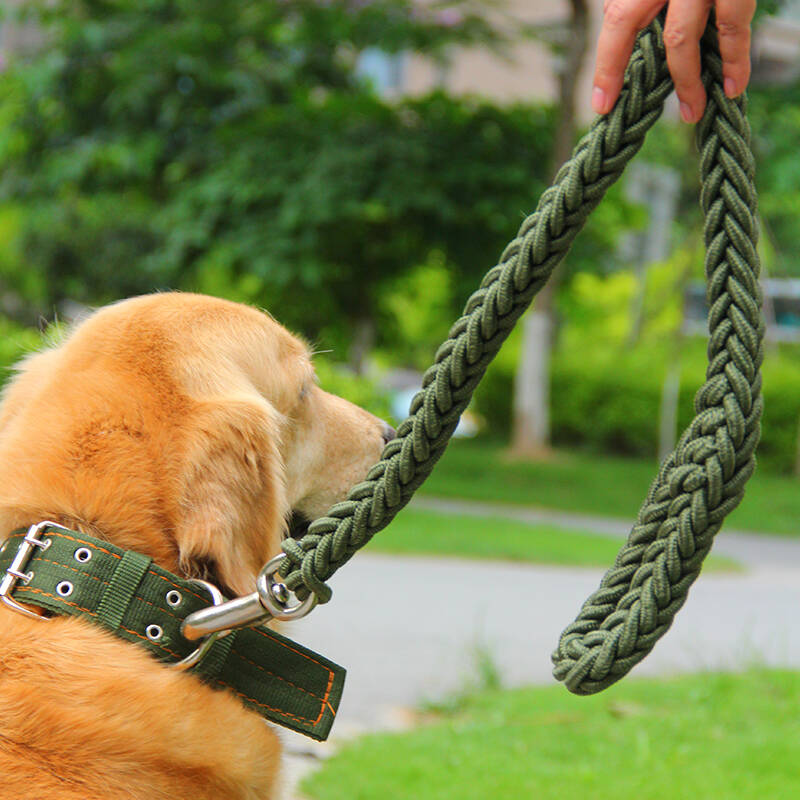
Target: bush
(607, 399)
(363, 391)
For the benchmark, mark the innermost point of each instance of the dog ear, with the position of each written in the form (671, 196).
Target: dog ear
(232, 499)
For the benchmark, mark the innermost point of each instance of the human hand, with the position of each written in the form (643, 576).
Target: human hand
(686, 21)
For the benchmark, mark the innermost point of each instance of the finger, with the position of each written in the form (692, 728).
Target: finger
(622, 20)
(733, 25)
(686, 21)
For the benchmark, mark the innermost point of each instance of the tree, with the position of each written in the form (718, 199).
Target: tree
(531, 427)
(235, 147)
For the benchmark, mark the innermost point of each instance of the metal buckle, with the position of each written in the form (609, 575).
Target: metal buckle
(15, 572)
(197, 655)
(268, 602)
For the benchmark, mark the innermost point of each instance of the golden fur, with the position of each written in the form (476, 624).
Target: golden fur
(186, 428)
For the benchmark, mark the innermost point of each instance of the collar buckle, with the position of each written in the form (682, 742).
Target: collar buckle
(15, 571)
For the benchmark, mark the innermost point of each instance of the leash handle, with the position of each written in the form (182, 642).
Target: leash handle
(698, 484)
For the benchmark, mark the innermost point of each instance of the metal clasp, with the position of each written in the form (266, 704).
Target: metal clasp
(269, 601)
(15, 571)
(199, 653)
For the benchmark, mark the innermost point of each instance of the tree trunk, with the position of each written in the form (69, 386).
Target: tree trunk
(531, 387)
(668, 412)
(531, 427)
(362, 344)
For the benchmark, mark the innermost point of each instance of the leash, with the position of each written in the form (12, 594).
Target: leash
(697, 485)
(702, 480)
(70, 573)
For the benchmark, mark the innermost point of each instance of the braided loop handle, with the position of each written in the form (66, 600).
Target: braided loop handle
(700, 482)
(703, 479)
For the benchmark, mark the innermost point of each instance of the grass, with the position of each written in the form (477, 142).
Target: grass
(594, 484)
(434, 533)
(704, 736)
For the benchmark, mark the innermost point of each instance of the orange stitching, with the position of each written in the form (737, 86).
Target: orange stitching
(325, 699)
(106, 583)
(283, 644)
(53, 597)
(151, 572)
(66, 566)
(150, 641)
(81, 541)
(279, 677)
(136, 599)
(278, 711)
(93, 614)
(179, 587)
(270, 708)
(313, 661)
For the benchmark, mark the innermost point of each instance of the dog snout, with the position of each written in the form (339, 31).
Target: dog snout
(389, 433)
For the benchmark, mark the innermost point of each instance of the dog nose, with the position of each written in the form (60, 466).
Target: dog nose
(389, 433)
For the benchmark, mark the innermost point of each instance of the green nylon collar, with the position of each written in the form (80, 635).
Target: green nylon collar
(126, 593)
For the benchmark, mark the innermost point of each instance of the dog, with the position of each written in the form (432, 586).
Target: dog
(189, 429)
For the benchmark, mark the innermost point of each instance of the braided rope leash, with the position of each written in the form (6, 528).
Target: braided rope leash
(700, 482)
(703, 479)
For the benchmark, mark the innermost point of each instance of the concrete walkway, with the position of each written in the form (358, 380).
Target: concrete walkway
(408, 628)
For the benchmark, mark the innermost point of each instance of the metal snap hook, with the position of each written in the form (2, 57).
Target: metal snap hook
(274, 595)
(197, 655)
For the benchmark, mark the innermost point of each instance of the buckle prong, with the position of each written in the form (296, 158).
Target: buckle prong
(16, 570)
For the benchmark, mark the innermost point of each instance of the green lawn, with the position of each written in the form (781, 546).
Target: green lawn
(616, 487)
(721, 737)
(434, 533)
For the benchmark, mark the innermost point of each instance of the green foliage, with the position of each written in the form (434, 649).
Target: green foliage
(775, 120)
(362, 391)
(606, 391)
(235, 148)
(775, 123)
(15, 342)
(607, 399)
(418, 309)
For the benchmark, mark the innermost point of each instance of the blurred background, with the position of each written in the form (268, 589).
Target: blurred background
(355, 167)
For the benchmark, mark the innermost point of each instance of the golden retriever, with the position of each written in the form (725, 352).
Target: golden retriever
(186, 428)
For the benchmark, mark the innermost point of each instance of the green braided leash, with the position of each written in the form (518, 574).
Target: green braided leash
(702, 481)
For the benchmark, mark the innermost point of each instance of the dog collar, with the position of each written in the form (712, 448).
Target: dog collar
(67, 572)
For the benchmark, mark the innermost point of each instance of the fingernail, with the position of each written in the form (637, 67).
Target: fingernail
(599, 100)
(686, 113)
(730, 87)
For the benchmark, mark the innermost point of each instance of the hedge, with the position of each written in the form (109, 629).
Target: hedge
(608, 400)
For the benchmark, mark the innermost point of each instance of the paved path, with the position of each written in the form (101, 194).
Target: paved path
(407, 628)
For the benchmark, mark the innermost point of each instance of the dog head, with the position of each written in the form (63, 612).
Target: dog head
(184, 427)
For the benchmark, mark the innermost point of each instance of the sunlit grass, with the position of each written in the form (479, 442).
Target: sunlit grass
(594, 484)
(434, 533)
(726, 737)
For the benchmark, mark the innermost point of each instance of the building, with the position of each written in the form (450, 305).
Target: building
(529, 71)
(13, 35)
